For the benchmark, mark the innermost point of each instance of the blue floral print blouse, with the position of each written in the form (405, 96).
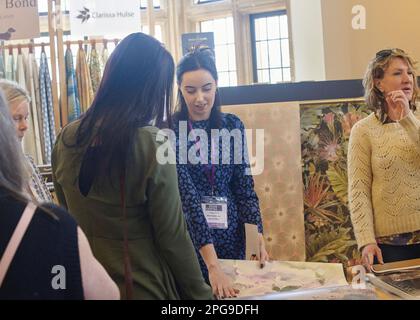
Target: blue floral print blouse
(230, 181)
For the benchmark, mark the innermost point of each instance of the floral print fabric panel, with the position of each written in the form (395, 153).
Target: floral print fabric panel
(325, 131)
(279, 186)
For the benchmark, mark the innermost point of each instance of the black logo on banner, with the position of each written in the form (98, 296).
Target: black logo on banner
(7, 35)
(84, 14)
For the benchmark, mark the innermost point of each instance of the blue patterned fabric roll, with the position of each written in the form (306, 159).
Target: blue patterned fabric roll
(2, 67)
(47, 107)
(73, 104)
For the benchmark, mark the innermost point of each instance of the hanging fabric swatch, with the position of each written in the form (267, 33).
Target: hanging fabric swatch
(32, 85)
(84, 83)
(33, 71)
(47, 106)
(20, 70)
(94, 69)
(104, 56)
(37, 185)
(2, 66)
(29, 143)
(10, 67)
(73, 104)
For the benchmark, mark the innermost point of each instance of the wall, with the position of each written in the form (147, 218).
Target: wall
(336, 16)
(390, 23)
(307, 38)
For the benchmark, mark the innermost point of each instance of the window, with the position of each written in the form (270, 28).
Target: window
(224, 42)
(204, 1)
(143, 4)
(42, 6)
(158, 31)
(270, 47)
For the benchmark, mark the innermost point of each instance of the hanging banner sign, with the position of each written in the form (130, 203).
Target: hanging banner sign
(200, 39)
(100, 18)
(19, 19)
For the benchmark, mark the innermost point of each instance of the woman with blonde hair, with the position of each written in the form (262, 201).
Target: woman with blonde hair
(43, 253)
(383, 166)
(19, 100)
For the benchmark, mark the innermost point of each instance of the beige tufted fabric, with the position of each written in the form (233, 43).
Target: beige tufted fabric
(279, 186)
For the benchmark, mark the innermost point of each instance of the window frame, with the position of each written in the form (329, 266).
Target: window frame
(154, 7)
(252, 18)
(228, 71)
(204, 2)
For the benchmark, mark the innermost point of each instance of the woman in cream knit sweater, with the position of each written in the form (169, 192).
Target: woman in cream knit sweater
(384, 163)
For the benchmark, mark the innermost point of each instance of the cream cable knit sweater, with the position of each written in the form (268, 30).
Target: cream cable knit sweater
(384, 178)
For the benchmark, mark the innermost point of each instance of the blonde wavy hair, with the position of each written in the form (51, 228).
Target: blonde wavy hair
(13, 91)
(12, 162)
(376, 71)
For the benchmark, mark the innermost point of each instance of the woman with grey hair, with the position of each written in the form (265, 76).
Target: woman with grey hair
(18, 100)
(43, 253)
(383, 166)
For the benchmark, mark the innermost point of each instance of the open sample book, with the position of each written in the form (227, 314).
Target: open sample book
(401, 278)
(292, 280)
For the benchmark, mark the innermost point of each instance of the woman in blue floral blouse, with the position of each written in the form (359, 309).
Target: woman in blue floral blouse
(216, 187)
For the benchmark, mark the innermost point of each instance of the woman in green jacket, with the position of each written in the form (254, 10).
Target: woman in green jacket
(106, 173)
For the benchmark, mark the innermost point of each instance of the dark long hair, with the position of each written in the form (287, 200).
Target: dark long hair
(135, 91)
(198, 58)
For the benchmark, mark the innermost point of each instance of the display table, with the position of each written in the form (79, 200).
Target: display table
(333, 293)
(385, 295)
(292, 280)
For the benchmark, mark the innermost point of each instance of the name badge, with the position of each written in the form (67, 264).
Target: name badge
(215, 211)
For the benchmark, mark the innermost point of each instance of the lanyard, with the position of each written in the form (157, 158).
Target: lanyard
(210, 170)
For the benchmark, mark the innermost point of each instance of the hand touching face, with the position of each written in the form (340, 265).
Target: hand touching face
(397, 88)
(398, 105)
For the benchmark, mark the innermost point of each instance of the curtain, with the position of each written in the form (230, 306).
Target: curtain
(47, 107)
(73, 104)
